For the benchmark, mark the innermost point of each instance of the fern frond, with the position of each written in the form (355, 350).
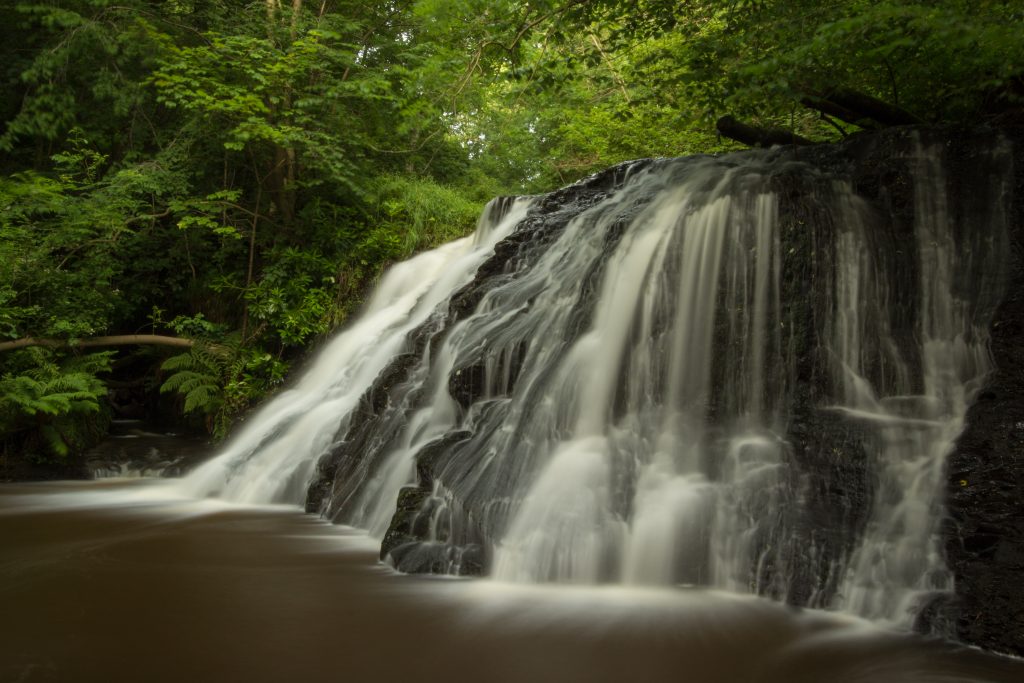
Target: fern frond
(53, 404)
(198, 377)
(202, 398)
(183, 361)
(185, 381)
(89, 364)
(71, 383)
(54, 439)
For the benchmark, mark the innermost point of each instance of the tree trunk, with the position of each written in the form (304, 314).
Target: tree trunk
(115, 340)
(758, 137)
(859, 109)
(832, 109)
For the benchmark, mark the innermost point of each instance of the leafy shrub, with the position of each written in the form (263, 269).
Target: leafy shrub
(220, 381)
(59, 406)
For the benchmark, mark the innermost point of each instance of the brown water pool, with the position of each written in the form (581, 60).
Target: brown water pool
(118, 581)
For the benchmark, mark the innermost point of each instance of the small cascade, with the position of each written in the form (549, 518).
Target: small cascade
(706, 245)
(272, 458)
(916, 407)
(132, 450)
(742, 372)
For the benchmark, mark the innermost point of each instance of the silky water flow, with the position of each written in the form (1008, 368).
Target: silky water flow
(634, 374)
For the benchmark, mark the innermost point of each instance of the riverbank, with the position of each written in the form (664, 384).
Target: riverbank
(133, 448)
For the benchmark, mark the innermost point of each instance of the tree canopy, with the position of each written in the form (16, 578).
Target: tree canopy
(236, 174)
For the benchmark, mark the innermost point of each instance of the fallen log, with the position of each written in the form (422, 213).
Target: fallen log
(115, 340)
(860, 109)
(829, 108)
(758, 137)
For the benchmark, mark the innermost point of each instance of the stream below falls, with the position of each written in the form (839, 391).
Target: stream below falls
(119, 580)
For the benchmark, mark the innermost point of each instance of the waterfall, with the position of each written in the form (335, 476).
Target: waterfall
(742, 372)
(272, 457)
(705, 245)
(917, 411)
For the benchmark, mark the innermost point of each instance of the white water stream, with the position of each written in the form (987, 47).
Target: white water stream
(638, 378)
(272, 458)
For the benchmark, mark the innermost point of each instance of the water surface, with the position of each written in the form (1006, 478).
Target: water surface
(114, 581)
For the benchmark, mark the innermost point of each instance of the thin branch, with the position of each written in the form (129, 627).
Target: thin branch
(252, 214)
(252, 256)
(892, 82)
(159, 18)
(188, 256)
(83, 245)
(404, 151)
(474, 63)
(611, 67)
(147, 216)
(830, 121)
(536, 69)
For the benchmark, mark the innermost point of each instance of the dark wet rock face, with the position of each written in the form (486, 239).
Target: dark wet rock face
(382, 413)
(985, 487)
(806, 528)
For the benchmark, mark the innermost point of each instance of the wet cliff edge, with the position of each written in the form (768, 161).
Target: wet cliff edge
(983, 535)
(984, 531)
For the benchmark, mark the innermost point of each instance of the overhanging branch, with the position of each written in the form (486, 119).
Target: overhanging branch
(859, 109)
(758, 137)
(91, 342)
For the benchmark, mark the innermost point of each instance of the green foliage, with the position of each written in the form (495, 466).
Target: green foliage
(88, 58)
(293, 298)
(246, 88)
(63, 237)
(197, 378)
(420, 212)
(54, 404)
(577, 86)
(241, 177)
(221, 381)
(947, 60)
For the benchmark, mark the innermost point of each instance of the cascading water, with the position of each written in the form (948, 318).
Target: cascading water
(663, 375)
(917, 410)
(272, 459)
(626, 492)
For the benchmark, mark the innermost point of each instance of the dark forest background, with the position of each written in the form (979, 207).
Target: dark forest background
(227, 179)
